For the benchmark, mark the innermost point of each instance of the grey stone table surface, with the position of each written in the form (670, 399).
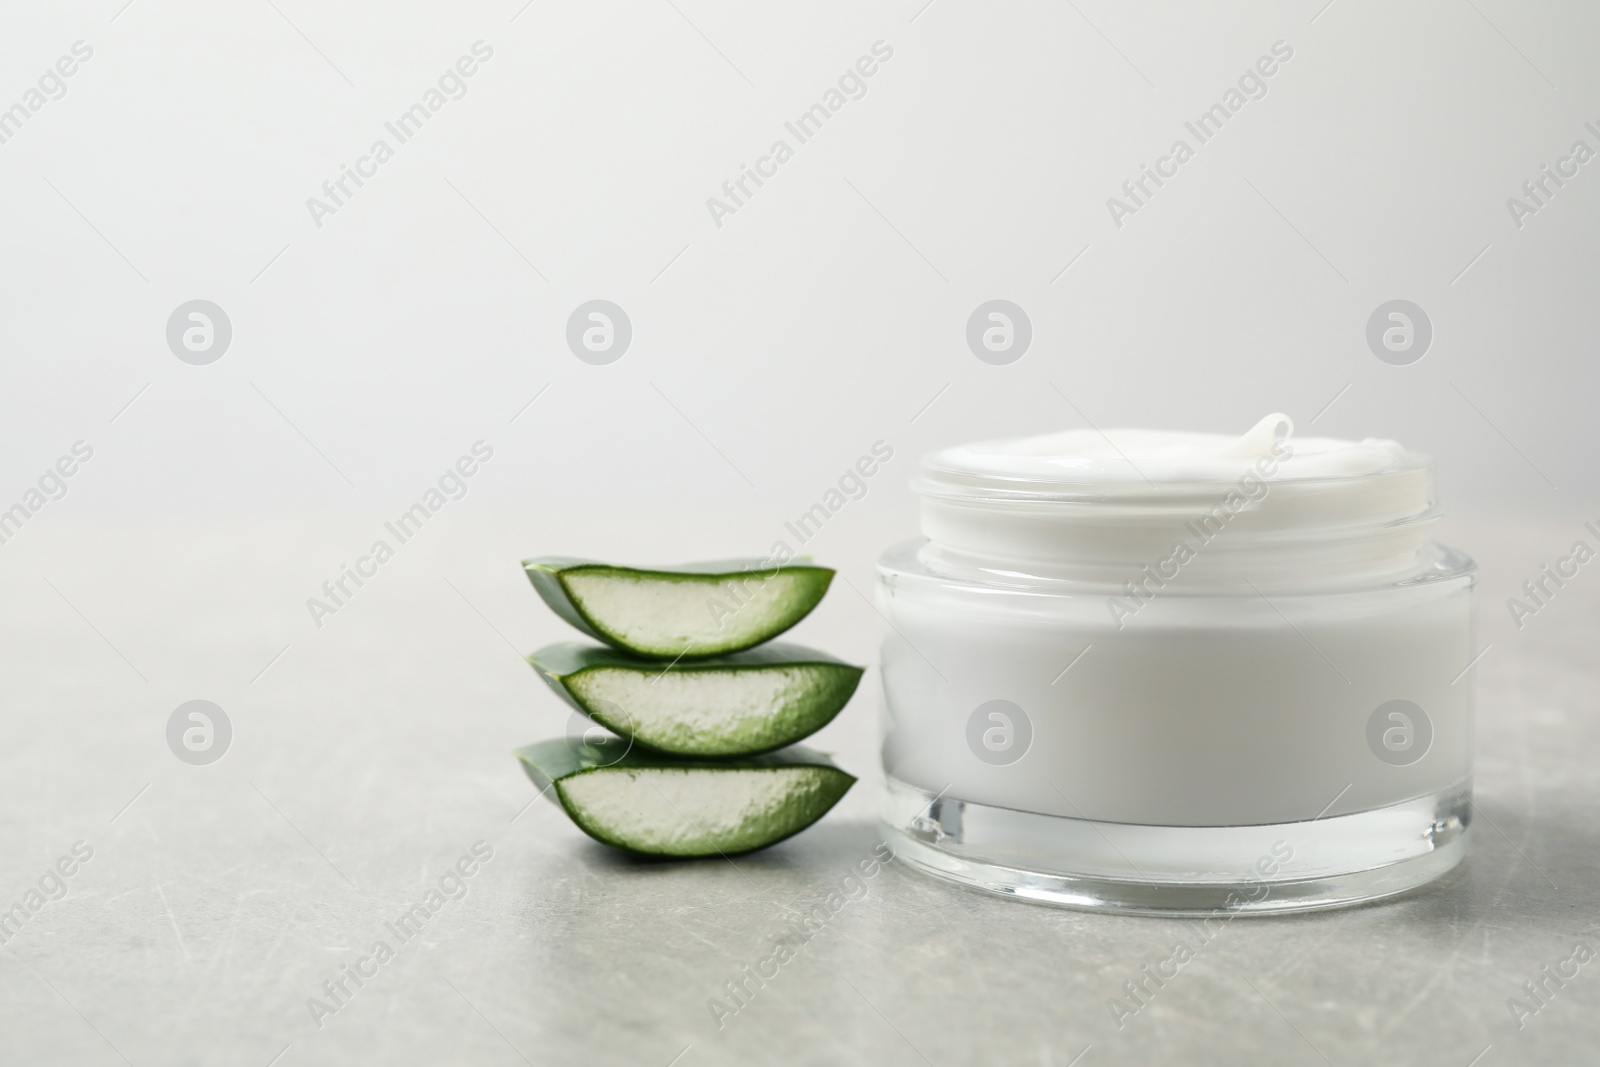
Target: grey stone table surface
(370, 753)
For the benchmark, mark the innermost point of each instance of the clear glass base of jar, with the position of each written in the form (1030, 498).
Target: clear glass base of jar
(1181, 870)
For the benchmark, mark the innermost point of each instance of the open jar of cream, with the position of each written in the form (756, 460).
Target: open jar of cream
(1179, 672)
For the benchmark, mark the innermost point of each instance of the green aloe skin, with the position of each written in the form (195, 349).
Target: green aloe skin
(659, 805)
(691, 611)
(735, 705)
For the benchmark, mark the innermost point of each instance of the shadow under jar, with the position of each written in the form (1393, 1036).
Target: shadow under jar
(1176, 673)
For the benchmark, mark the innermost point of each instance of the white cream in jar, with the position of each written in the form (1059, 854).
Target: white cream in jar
(1161, 671)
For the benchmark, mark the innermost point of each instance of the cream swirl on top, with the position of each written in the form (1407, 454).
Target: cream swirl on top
(1161, 456)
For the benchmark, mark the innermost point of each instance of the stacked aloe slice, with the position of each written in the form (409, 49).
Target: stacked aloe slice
(704, 760)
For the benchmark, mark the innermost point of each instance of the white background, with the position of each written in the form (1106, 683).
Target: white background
(805, 327)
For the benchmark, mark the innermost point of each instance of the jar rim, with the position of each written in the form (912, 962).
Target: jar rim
(956, 485)
(1097, 507)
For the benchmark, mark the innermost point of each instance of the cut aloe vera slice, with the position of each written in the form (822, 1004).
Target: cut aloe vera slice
(698, 609)
(665, 806)
(734, 705)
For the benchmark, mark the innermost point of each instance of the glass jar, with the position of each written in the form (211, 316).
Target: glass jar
(1178, 673)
